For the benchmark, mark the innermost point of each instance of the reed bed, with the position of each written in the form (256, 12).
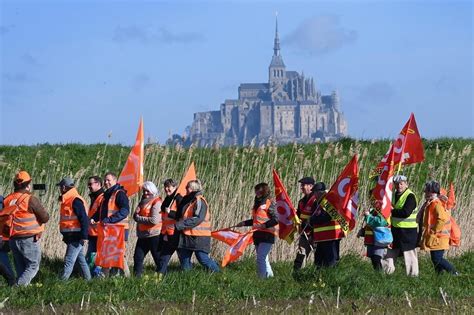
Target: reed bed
(229, 174)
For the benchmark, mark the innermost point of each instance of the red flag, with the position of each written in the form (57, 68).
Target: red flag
(227, 236)
(237, 248)
(407, 146)
(188, 176)
(131, 177)
(343, 196)
(451, 198)
(287, 218)
(110, 246)
(383, 190)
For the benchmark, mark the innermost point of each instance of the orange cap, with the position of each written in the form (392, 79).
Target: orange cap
(22, 177)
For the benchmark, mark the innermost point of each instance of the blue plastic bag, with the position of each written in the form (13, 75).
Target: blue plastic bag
(382, 236)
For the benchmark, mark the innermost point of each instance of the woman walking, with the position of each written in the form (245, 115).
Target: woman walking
(264, 220)
(148, 218)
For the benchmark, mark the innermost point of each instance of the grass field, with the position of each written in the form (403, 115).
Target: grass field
(229, 174)
(237, 289)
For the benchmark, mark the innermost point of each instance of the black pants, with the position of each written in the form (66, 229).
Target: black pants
(168, 248)
(327, 254)
(145, 245)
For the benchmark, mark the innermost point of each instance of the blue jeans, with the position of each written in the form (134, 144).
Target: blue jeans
(27, 256)
(202, 257)
(264, 269)
(440, 263)
(74, 253)
(5, 260)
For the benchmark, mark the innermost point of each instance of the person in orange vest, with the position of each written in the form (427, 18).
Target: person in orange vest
(26, 224)
(327, 233)
(169, 235)
(149, 223)
(114, 208)
(436, 228)
(304, 212)
(96, 195)
(74, 227)
(195, 227)
(264, 220)
(6, 269)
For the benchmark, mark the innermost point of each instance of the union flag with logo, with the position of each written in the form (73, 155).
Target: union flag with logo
(342, 199)
(407, 147)
(110, 246)
(287, 218)
(383, 190)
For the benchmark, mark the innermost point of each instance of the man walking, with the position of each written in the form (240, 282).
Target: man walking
(27, 219)
(304, 212)
(404, 228)
(74, 226)
(96, 194)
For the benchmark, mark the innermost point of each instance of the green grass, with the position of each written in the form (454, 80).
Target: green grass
(360, 287)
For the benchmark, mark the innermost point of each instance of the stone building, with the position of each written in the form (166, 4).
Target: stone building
(287, 109)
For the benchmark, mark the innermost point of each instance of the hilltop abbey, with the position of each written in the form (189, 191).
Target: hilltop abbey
(287, 109)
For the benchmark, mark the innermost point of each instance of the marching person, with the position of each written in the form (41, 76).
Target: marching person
(74, 227)
(149, 223)
(404, 229)
(96, 195)
(169, 235)
(304, 212)
(6, 270)
(373, 219)
(114, 208)
(327, 233)
(436, 228)
(195, 227)
(264, 220)
(27, 224)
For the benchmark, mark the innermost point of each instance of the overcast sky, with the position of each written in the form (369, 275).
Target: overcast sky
(78, 71)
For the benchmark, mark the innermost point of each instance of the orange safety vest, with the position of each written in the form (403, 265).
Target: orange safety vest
(168, 224)
(327, 231)
(306, 209)
(68, 221)
(112, 209)
(145, 211)
(92, 210)
(260, 216)
(22, 223)
(204, 228)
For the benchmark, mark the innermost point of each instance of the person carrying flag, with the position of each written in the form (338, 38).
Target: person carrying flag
(264, 220)
(169, 235)
(404, 229)
(327, 232)
(114, 208)
(96, 194)
(304, 212)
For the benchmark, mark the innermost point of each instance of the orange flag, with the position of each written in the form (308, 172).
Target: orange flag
(189, 175)
(227, 236)
(237, 249)
(451, 198)
(110, 246)
(383, 190)
(131, 177)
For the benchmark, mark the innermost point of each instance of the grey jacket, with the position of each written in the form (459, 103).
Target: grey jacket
(154, 218)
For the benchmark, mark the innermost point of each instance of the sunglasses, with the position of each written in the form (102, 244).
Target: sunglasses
(91, 183)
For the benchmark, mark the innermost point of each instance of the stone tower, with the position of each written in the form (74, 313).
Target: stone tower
(277, 71)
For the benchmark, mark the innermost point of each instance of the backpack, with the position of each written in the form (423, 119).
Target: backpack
(455, 234)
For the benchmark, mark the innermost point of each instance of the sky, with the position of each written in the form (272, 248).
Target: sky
(86, 71)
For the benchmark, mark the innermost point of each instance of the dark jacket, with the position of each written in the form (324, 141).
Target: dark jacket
(80, 211)
(167, 202)
(121, 201)
(405, 239)
(320, 216)
(1, 202)
(202, 243)
(262, 236)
